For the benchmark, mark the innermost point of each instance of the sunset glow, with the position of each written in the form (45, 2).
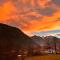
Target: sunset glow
(31, 15)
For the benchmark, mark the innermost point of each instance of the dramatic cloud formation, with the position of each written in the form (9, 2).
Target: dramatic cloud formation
(57, 2)
(31, 15)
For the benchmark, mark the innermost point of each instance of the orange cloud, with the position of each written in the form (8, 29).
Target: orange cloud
(42, 25)
(42, 2)
(5, 11)
(28, 19)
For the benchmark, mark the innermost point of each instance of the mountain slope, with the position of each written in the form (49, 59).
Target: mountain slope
(12, 37)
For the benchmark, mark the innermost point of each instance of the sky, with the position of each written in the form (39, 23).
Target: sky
(47, 33)
(33, 17)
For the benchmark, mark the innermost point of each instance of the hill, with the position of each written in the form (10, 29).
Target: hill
(12, 37)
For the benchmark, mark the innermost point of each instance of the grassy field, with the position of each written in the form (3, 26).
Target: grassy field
(44, 57)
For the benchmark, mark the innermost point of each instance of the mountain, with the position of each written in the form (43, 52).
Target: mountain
(51, 39)
(38, 40)
(48, 41)
(53, 42)
(12, 37)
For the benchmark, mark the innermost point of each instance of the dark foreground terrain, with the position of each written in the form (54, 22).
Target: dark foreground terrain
(44, 57)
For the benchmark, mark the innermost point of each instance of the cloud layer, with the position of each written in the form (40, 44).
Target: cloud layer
(31, 15)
